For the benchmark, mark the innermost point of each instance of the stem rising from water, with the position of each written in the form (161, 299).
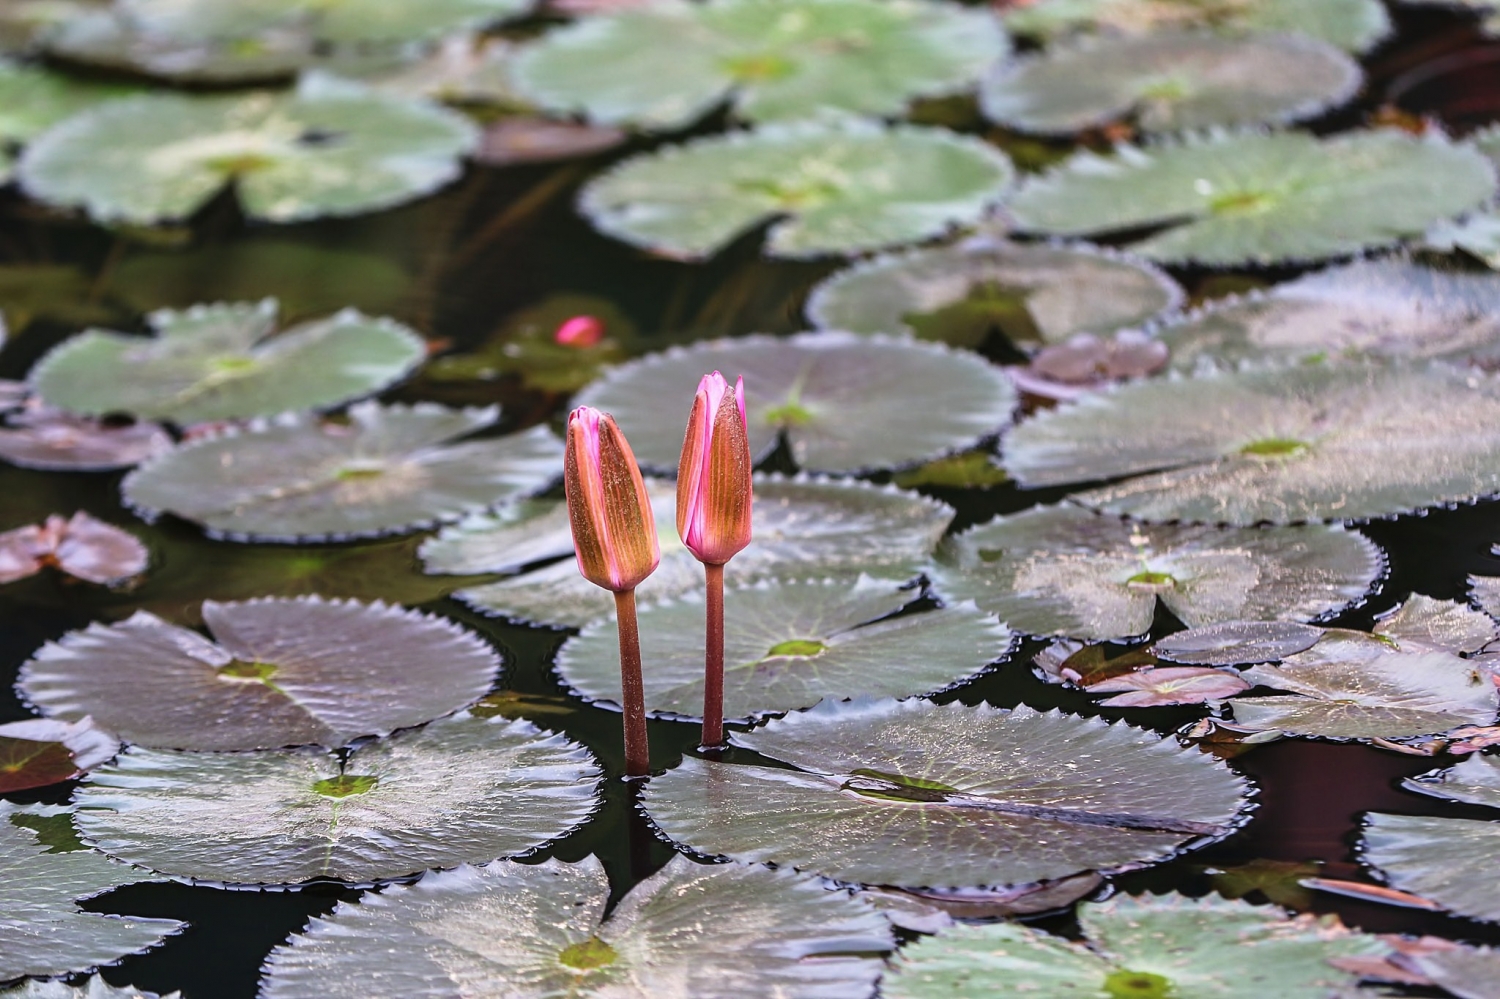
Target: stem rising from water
(633, 699)
(713, 660)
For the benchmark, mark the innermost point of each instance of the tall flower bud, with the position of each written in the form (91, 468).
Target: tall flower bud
(614, 532)
(713, 478)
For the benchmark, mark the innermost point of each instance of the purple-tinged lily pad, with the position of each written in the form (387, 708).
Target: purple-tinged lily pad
(54, 441)
(81, 546)
(1169, 685)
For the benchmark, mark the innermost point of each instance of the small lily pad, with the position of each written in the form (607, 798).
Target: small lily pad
(1170, 80)
(38, 752)
(222, 362)
(1229, 198)
(33, 99)
(830, 393)
(1061, 570)
(386, 470)
(93, 988)
(1151, 688)
(712, 932)
(1238, 643)
(53, 441)
(1272, 444)
(836, 187)
(461, 790)
(80, 546)
(1421, 623)
(1032, 294)
(350, 22)
(909, 793)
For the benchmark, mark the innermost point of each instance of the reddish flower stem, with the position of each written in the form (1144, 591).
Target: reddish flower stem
(633, 699)
(713, 660)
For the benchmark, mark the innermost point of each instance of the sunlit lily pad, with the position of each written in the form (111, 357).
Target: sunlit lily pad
(669, 63)
(346, 21)
(1227, 198)
(280, 673)
(1141, 945)
(222, 362)
(1421, 623)
(1032, 294)
(386, 470)
(54, 441)
(1238, 643)
(801, 527)
(461, 790)
(80, 546)
(840, 187)
(110, 38)
(33, 99)
(330, 148)
(1273, 444)
(1350, 24)
(711, 932)
(1062, 570)
(1168, 80)
(830, 393)
(461, 69)
(913, 794)
(93, 988)
(37, 752)
(790, 644)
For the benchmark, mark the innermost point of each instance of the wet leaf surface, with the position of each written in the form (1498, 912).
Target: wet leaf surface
(80, 546)
(93, 988)
(1169, 685)
(1237, 643)
(1450, 861)
(38, 752)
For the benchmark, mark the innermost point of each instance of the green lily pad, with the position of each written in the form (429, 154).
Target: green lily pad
(330, 148)
(461, 69)
(353, 22)
(1062, 570)
(830, 393)
(1477, 234)
(1421, 623)
(835, 187)
(801, 527)
(92, 988)
(26, 24)
(111, 39)
(280, 673)
(1033, 294)
(664, 65)
(1170, 80)
(1449, 861)
(1145, 946)
(386, 470)
(1231, 198)
(1314, 442)
(711, 932)
(909, 793)
(226, 362)
(33, 99)
(1467, 972)
(461, 790)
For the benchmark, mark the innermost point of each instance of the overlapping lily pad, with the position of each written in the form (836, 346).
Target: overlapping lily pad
(280, 673)
(1350, 24)
(838, 187)
(222, 362)
(461, 790)
(1421, 623)
(691, 930)
(829, 393)
(384, 470)
(1236, 643)
(93, 988)
(330, 148)
(909, 793)
(80, 546)
(1314, 442)
(1467, 972)
(666, 64)
(1033, 294)
(33, 99)
(54, 441)
(348, 21)
(1232, 198)
(111, 38)
(37, 752)
(1170, 80)
(1062, 570)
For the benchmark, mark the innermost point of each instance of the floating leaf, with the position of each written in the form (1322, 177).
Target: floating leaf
(1450, 861)
(1272, 444)
(838, 187)
(93, 988)
(1238, 643)
(1355, 25)
(1477, 234)
(829, 393)
(1144, 945)
(1420, 623)
(38, 752)
(387, 470)
(1475, 781)
(33, 99)
(688, 930)
(801, 527)
(111, 39)
(348, 21)
(789, 644)
(509, 141)
(1169, 80)
(280, 673)
(666, 65)
(461, 790)
(81, 546)
(222, 362)
(1169, 685)
(1061, 570)
(910, 793)
(1033, 294)
(461, 69)
(966, 470)
(1467, 972)
(47, 439)
(1486, 591)
(1229, 198)
(331, 148)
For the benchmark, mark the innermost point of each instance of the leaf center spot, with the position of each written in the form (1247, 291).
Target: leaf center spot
(240, 164)
(804, 647)
(1126, 984)
(1166, 88)
(791, 197)
(758, 68)
(344, 785)
(1151, 580)
(789, 414)
(253, 672)
(233, 365)
(587, 955)
(1274, 447)
(361, 469)
(896, 787)
(1241, 203)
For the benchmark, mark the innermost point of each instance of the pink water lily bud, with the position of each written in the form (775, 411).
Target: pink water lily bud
(614, 533)
(579, 331)
(713, 478)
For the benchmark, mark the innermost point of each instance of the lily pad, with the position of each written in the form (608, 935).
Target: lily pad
(1315, 442)
(836, 187)
(910, 793)
(386, 470)
(1033, 294)
(1142, 945)
(1170, 80)
(461, 790)
(1467, 972)
(1421, 623)
(330, 148)
(1232, 198)
(461, 69)
(1450, 861)
(38, 752)
(280, 673)
(1062, 570)
(80, 546)
(222, 362)
(54, 441)
(665, 65)
(1475, 781)
(1477, 234)
(1486, 591)
(110, 38)
(33, 99)
(529, 139)
(830, 393)
(92, 988)
(353, 22)
(1238, 643)
(1151, 688)
(711, 932)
